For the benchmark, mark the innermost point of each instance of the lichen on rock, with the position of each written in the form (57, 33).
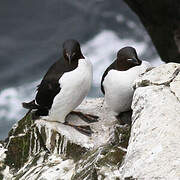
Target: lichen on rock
(92, 163)
(42, 148)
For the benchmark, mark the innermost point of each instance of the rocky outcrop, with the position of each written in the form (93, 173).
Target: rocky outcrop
(153, 151)
(37, 150)
(41, 149)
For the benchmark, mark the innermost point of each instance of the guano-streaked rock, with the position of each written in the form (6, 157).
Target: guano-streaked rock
(153, 150)
(41, 149)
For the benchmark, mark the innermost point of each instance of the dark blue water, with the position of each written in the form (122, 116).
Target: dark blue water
(31, 34)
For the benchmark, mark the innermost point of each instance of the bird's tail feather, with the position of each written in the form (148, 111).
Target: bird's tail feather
(30, 105)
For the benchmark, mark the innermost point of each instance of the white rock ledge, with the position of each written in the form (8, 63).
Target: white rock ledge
(154, 146)
(102, 130)
(41, 149)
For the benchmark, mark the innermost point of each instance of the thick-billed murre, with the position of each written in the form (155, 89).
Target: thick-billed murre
(64, 86)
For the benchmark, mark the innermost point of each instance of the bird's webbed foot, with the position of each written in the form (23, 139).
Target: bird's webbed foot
(89, 118)
(86, 130)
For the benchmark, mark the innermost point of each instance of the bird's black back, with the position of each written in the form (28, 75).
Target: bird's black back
(49, 86)
(112, 66)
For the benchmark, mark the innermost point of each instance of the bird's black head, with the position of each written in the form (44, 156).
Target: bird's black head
(127, 58)
(72, 51)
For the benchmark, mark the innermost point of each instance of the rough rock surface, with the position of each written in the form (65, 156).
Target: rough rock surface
(153, 151)
(37, 150)
(41, 149)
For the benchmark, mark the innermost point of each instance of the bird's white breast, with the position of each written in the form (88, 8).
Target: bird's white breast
(118, 86)
(75, 86)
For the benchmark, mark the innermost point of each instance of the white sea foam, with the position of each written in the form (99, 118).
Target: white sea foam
(11, 99)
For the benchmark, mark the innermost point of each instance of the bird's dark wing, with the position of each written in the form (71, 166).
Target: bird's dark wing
(47, 90)
(112, 66)
(49, 86)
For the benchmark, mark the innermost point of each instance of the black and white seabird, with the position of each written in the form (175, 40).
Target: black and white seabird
(117, 80)
(64, 86)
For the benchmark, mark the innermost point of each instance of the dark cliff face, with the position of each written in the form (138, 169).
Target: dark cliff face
(162, 21)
